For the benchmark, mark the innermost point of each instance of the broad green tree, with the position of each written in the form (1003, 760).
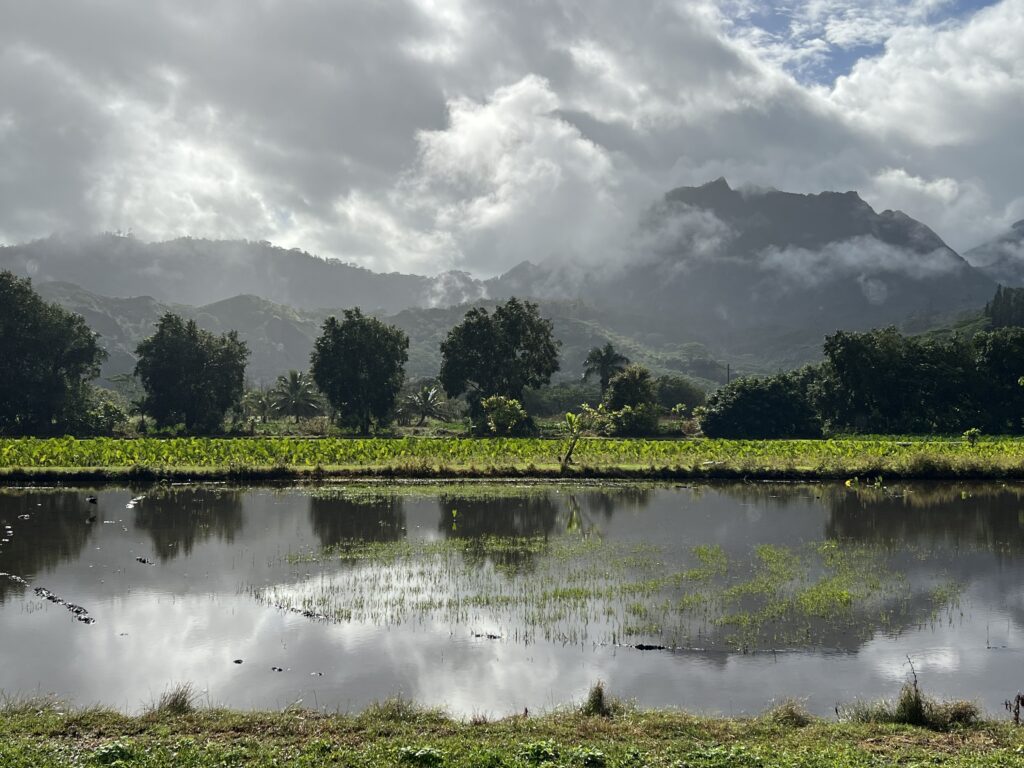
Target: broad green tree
(604, 362)
(190, 376)
(767, 408)
(49, 355)
(499, 353)
(295, 395)
(358, 363)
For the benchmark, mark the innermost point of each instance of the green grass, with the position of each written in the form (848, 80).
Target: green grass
(290, 457)
(397, 733)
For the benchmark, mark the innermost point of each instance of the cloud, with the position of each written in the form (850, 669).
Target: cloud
(857, 257)
(425, 135)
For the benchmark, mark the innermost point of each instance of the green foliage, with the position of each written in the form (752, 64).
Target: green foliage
(427, 403)
(190, 376)
(773, 407)
(633, 386)
(972, 436)
(557, 399)
(912, 707)
(604, 362)
(498, 354)
(678, 390)
(599, 704)
(99, 412)
(358, 364)
(505, 415)
(295, 395)
(882, 381)
(49, 357)
(633, 421)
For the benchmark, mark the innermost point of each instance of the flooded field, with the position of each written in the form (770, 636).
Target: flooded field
(492, 598)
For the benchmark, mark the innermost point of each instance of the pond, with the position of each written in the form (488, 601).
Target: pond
(492, 598)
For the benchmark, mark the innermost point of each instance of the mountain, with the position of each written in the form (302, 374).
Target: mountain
(200, 272)
(1002, 258)
(757, 276)
(769, 273)
(281, 338)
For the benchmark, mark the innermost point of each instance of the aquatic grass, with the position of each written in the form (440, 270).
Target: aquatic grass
(581, 589)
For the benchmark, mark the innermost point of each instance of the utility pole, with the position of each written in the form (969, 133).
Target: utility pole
(728, 374)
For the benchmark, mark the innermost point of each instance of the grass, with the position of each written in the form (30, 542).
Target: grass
(269, 458)
(46, 735)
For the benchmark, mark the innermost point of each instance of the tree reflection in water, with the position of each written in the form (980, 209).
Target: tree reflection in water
(177, 519)
(54, 532)
(336, 519)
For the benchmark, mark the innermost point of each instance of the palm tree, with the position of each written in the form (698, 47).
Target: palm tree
(427, 403)
(295, 395)
(257, 403)
(605, 362)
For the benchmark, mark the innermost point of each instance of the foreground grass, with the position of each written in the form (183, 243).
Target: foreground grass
(396, 733)
(270, 458)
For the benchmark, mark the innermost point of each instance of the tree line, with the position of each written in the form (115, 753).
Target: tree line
(189, 380)
(497, 364)
(882, 382)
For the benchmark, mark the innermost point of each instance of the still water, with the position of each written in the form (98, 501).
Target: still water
(492, 598)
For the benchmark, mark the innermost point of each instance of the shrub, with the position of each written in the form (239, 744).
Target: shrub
(505, 415)
(634, 421)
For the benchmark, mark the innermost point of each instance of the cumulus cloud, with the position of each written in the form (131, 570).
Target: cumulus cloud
(436, 134)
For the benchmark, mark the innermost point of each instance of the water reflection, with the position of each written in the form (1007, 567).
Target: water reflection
(701, 565)
(45, 529)
(989, 517)
(336, 519)
(475, 519)
(177, 519)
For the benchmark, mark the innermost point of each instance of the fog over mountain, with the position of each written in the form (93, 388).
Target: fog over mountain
(1002, 258)
(757, 277)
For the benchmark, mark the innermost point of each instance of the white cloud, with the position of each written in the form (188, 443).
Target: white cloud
(434, 134)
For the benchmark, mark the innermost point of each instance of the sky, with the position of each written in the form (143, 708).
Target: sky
(429, 135)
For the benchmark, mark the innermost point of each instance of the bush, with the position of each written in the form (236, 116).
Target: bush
(632, 421)
(599, 704)
(678, 390)
(505, 415)
(760, 408)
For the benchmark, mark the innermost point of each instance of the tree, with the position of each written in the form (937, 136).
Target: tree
(604, 362)
(359, 365)
(631, 402)
(505, 415)
(761, 408)
(426, 402)
(49, 357)
(258, 404)
(190, 376)
(498, 354)
(295, 395)
(678, 390)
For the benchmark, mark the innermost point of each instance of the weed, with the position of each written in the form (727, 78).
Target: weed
(176, 701)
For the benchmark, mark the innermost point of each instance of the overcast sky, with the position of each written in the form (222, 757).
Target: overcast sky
(425, 135)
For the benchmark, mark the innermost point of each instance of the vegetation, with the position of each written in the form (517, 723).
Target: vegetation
(883, 382)
(295, 395)
(49, 357)
(1006, 310)
(358, 363)
(775, 407)
(867, 457)
(191, 377)
(48, 734)
(505, 416)
(604, 362)
(498, 354)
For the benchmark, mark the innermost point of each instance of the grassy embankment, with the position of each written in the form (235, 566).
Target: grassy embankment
(600, 734)
(28, 459)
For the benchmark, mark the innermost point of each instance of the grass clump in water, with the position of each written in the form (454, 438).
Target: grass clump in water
(913, 707)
